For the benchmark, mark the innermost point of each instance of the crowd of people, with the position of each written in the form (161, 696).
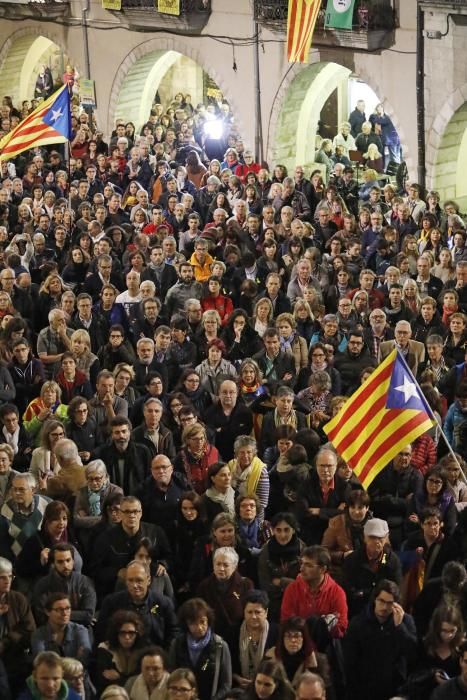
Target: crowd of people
(176, 330)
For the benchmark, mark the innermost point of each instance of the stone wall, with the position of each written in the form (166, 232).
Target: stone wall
(114, 52)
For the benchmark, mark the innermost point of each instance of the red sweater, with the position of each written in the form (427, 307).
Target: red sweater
(330, 598)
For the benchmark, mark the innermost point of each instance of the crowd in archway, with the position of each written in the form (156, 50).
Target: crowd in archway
(176, 330)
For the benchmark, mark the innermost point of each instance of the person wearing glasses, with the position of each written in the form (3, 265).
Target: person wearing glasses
(378, 332)
(155, 610)
(88, 508)
(182, 684)
(435, 493)
(379, 647)
(115, 546)
(75, 678)
(366, 566)
(59, 634)
(151, 683)
(315, 593)
(412, 350)
(22, 514)
(117, 657)
(18, 624)
(160, 493)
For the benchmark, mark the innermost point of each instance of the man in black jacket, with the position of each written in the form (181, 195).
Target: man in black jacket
(128, 462)
(160, 493)
(92, 322)
(152, 433)
(276, 365)
(279, 300)
(146, 363)
(64, 579)
(163, 275)
(352, 361)
(372, 562)
(156, 611)
(229, 419)
(390, 490)
(116, 546)
(379, 647)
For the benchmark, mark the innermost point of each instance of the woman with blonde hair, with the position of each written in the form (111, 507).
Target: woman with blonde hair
(50, 294)
(250, 382)
(39, 410)
(373, 158)
(263, 313)
(196, 456)
(411, 296)
(304, 319)
(290, 341)
(85, 360)
(43, 459)
(6, 472)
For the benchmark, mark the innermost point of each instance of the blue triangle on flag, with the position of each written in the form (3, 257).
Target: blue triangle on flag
(58, 116)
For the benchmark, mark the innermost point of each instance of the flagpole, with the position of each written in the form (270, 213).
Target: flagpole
(431, 414)
(68, 169)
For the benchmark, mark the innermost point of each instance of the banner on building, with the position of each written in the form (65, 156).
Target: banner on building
(169, 7)
(301, 20)
(87, 93)
(339, 14)
(112, 4)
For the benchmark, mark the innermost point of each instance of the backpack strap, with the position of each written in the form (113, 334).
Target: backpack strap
(217, 661)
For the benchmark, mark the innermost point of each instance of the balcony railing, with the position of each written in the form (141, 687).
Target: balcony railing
(194, 15)
(373, 23)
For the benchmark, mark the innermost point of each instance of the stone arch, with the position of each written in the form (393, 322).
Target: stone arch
(298, 104)
(446, 148)
(20, 56)
(147, 64)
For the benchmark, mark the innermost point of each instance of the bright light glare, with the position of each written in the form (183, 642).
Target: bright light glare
(213, 129)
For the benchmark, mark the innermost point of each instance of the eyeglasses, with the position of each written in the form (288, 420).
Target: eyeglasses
(97, 477)
(57, 435)
(436, 482)
(62, 610)
(180, 690)
(130, 512)
(127, 633)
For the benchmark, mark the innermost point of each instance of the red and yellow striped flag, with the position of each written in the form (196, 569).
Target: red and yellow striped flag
(301, 20)
(49, 123)
(384, 415)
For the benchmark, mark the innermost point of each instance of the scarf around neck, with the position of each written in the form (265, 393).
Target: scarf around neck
(257, 654)
(226, 500)
(196, 646)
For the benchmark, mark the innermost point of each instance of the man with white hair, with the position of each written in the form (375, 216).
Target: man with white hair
(22, 514)
(53, 341)
(71, 477)
(412, 351)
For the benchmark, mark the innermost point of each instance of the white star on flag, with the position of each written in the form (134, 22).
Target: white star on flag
(56, 114)
(408, 389)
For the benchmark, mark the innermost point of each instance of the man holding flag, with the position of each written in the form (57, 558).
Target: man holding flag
(49, 123)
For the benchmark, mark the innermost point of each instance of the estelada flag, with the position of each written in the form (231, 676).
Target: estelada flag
(49, 123)
(383, 416)
(301, 20)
